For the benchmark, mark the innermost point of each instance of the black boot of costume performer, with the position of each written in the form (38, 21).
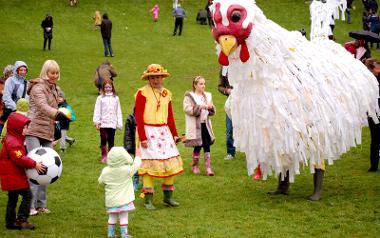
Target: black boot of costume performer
(168, 200)
(318, 181)
(283, 185)
(149, 201)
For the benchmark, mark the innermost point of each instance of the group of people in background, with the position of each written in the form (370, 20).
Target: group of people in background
(152, 122)
(40, 99)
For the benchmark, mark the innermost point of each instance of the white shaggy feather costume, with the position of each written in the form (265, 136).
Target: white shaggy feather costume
(294, 101)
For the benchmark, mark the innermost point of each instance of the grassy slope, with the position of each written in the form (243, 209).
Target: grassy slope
(228, 205)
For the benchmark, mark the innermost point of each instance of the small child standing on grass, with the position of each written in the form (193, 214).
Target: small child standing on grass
(198, 108)
(155, 10)
(130, 142)
(13, 162)
(97, 20)
(107, 117)
(62, 103)
(119, 193)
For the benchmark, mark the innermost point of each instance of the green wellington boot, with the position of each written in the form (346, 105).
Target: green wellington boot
(149, 201)
(283, 186)
(168, 200)
(318, 181)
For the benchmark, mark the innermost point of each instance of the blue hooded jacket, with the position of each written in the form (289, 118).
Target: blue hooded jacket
(15, 87)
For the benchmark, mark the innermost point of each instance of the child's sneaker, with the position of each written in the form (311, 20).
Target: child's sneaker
(71, 141)
(43, 210)
(229, 157)
(33, 212)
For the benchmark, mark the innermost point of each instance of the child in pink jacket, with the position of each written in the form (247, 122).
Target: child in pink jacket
(154, 12)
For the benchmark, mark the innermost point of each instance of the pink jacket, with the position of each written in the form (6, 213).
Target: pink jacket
(155, 11)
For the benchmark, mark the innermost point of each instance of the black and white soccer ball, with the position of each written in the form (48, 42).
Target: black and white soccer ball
(52, 162)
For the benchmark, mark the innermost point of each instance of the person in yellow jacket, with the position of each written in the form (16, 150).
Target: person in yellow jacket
(119, 193)
(157, 135)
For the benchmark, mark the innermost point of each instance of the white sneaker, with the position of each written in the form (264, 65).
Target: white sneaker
(33, 212)
(229, 157)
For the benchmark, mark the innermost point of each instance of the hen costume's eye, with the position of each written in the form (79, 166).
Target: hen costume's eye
(235, 16)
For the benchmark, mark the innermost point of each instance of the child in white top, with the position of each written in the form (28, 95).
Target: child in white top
(107, 117)
(119, 193)
(198, 108)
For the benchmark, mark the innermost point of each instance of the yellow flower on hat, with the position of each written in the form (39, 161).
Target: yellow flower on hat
(154, 70)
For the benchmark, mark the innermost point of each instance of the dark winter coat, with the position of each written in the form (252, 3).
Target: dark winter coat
(47, 25)
(130, 134)
(106, 28)
(13, 159)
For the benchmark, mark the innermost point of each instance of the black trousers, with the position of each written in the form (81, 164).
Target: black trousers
(49, 43)
(375, 143)
(23, 210)
(178, 23)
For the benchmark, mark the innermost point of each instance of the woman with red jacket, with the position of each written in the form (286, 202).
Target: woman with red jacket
(13, 163)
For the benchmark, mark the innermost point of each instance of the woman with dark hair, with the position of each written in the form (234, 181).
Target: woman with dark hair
(47, 26)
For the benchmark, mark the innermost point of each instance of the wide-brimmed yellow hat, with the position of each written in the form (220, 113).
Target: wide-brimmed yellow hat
(154, 70)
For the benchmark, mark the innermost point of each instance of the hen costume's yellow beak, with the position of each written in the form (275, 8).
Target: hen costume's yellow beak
(228, 44)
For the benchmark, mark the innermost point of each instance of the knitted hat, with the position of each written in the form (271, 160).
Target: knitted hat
(22, 106)
(154, 70)
(118, 156)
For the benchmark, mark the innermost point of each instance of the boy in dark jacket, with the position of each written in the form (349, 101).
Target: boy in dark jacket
(130, 142)
(13, 162)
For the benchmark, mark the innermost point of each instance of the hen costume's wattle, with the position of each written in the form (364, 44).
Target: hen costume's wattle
(294, 101)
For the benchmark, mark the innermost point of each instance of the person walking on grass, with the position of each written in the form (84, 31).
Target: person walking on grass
(106, 30)
(155, 10)
(179, 14)
(119, 193)
(13, 162)
(198, 108)
(107, 117)
(43, 112)
(157, 136)
(47, 26)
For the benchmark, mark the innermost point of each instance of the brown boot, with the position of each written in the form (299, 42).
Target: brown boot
(25, 225)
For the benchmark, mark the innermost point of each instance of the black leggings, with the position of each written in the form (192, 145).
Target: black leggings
(107, 135)
(206, 140)
(197, 149)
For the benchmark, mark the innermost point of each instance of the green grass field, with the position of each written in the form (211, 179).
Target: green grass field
(227, 205)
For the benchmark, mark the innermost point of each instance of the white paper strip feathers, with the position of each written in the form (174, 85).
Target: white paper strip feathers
(295, 102)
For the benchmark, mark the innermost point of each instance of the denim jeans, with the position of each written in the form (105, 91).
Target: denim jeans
(38, 191)
(229, 137)
(107, 47)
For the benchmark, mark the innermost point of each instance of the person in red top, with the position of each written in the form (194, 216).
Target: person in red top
(157, 136)
(13, 163)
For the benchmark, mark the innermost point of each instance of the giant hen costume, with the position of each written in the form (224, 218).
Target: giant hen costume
(294, 101)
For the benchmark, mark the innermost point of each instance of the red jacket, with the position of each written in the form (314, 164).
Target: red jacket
(13, 160)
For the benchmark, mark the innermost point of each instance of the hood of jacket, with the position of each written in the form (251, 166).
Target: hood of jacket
(118, 157)
(19, 64)
(16, 123)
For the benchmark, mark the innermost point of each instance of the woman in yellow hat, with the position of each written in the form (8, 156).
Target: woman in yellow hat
(157, 135)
